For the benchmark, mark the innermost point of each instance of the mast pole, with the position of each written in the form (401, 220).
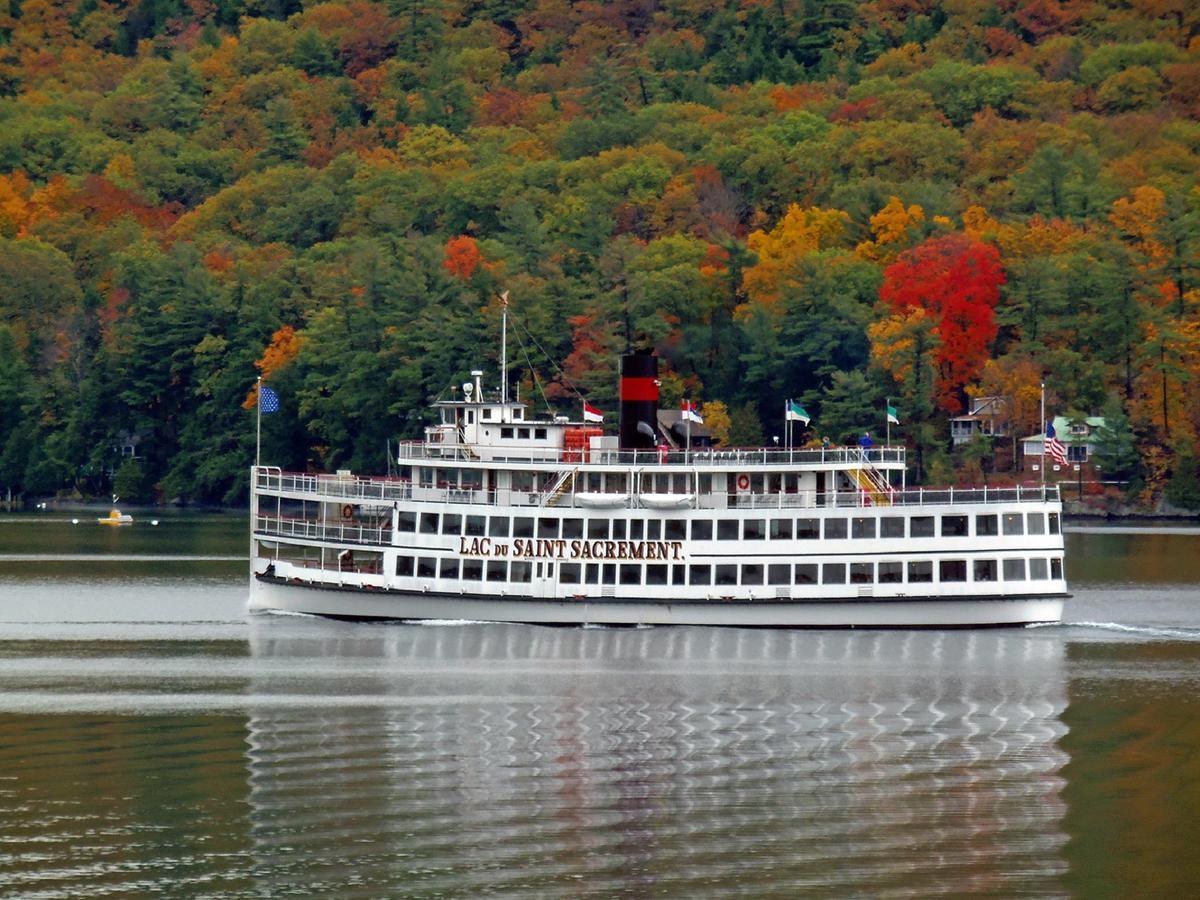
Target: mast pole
(258, 421)
(887, 415)
(1043, 463)
(504, 349)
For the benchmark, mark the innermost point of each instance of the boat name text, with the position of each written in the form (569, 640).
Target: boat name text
(544, 548)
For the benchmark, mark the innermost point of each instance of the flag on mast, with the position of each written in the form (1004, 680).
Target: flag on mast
(892, 417)
(1055, 448)
(687, 412)
(268, 400)
(591, 414)
(797, 413)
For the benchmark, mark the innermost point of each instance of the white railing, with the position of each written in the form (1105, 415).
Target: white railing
(314, 529)
(342, 488)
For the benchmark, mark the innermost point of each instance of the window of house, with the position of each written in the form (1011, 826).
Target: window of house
(1077, 453)
(920, 571)
(952, 570)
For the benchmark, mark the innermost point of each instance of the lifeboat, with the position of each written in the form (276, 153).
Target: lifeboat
(115, 517)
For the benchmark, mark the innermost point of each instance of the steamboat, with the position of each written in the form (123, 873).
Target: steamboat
(500, 516)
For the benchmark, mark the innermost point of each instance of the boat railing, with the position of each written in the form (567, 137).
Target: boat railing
(736, 458)
(377, 490)
(315, 529)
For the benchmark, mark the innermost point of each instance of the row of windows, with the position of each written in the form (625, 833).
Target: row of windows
(911, 572)
(870, 527)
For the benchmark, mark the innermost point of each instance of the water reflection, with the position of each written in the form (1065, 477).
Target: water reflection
(464, 759)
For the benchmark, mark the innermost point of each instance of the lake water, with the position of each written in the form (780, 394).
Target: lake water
(154, 740)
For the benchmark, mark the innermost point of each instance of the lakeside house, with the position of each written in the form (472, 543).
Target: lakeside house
(987, 416)
(1077, 435)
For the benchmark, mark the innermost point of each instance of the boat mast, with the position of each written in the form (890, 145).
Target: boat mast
(504, 348)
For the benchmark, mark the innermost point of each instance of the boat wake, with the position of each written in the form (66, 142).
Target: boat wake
(1167, 631)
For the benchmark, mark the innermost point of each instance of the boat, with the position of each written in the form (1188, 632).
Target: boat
(115, 517)
(497, 516)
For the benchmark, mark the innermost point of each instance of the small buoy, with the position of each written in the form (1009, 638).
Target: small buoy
(154, 521)
(74, 521)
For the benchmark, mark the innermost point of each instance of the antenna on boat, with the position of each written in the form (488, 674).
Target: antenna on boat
(504, 348)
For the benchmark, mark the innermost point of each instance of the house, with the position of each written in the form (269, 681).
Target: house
(985, 415)
(1077, 435)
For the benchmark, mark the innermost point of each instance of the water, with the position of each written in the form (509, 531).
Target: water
(155, 741)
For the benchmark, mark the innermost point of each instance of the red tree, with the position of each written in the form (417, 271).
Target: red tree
(957, 281)
(462, 256)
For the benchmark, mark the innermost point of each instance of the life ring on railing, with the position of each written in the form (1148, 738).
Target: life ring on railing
(347, 511)
(743, 482)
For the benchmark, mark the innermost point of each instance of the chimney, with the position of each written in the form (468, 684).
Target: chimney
(639, 401)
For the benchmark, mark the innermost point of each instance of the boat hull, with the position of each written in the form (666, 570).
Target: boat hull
(274, 594)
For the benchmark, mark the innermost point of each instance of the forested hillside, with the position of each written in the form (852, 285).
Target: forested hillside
(832, 201)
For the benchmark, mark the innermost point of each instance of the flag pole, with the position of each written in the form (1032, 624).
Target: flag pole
(687, 449)
(1043, 463)
(887, 405)
(257, 420)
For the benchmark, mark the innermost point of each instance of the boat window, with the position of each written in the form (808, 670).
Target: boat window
(591, 573)
(705, 483)
(539, 434)
(618, 529)
(954, 526)
(1055, 567)
(752, 573)
(1038, 570)
(920, 526)
(779, 573)
(727, 529)
(470, 417)
(702, 530)
(862, 573)
(448, 568)
(522, 526)
(471, 479)
(952, 570)
(656, 574)
(506, 433)
(404, 565)
(781, 529)
(1014, 570)
(451, 523)
(986, 526)
(572, 528)
(520, 572)
(727, 574)
(609, 574)
(521, 481)
(891, 572)
(834, 529)
(891, 527)
(426, 567)
(406, 521)
(754, 529)
(497, 527)
(497, 570)
(985, 570)
(700, 574)
(429, 523)
(654, 530)
(597, 528)
(807, 529)
(862, 527)
(568, 573)
(920, 571)
(547, 528)
(486, 413)
(678, 574)
(475, 525)
(1036, 523)
(518, 414)
(472, 570)
(523, 434)
(1014, 523)
(833, 573)
(676, 530)
(806, 573)
(1054, 523)
(636, 529)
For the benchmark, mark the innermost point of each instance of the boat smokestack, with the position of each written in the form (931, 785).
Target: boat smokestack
(639, 401)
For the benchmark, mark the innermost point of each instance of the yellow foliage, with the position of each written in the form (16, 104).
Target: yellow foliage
(893, 342)
(14, 207)
(121, 172)
(1137, 218)
(894, 227)
(799, 233)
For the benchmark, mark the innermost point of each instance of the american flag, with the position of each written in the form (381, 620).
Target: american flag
(268, 400)
(1055, 448)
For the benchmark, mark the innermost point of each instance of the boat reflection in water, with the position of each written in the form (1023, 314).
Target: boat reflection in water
(529, 760)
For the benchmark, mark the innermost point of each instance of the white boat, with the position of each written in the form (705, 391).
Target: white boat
(498, 517)
(115, 517)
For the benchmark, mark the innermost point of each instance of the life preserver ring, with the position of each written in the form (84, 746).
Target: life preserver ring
(347, 511)
(743, 482)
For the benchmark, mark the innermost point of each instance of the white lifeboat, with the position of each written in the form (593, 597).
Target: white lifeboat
(666, 501)
(600, 500)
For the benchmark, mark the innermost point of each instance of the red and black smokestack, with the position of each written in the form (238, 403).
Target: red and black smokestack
(639, 401)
